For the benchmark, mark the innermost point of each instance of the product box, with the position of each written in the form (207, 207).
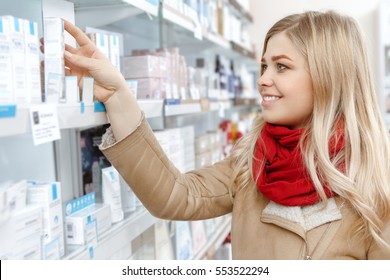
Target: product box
(202, 160)
(33, 74)
(128, 197)
(199, 237)
(54, 60)
(18, 59)
(114, 50)
(48, 195)
(72, 90)
(187, 135)
(87, 93)
(111, 189)
(20, 235)
(13, 197)
(6, 79)
(202, 144)
(80, 214)
(149, 88)
(183, 241)
(146, 66)
(101, 41)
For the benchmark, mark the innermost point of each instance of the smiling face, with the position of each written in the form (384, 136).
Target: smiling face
(285, 84)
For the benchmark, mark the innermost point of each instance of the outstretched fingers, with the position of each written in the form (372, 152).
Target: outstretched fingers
(70, 49)
(80, 37)
(79, 61)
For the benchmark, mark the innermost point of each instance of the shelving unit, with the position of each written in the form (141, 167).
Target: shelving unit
(204, 115)
(118, 236)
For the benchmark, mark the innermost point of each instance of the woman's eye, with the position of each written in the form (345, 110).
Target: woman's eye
(281, 66)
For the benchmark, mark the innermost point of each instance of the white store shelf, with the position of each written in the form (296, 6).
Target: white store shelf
(217, 39)
(70, 116)
(177, 18)
(144, 6)
(117, 237)
(182, 109)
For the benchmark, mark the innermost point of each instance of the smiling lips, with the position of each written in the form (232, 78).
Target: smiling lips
(269, 99)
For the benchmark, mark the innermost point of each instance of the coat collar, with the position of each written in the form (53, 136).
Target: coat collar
(301, 219)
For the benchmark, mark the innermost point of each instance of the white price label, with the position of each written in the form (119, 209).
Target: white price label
(44, 123)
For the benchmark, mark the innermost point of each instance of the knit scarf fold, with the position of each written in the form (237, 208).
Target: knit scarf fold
(284, 178)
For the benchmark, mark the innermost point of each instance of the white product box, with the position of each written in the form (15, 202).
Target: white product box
(203, 159)
(33, 73)
(202, 144)
(111, 189)
(6, 80)
(13, 196)
(54, 60)
(114, 50)
(128, 197)
(80, 214)
(72, 90)
(199, 237)
(146, 66)
(18, 59)
(149, 88)
(20, 235)
(183, 241)
(87, 92)
(102, 42)
(162, 241)
(48, 195)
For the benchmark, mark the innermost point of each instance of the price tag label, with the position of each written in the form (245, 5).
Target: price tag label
(44, 123)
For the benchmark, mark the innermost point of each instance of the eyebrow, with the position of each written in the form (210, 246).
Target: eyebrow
(276, 57)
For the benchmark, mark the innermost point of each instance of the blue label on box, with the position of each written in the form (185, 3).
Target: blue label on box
(54, 191)
(99, 107)
(172, 101)
(32, 29)
(8, 111)
(79, 203)
(17, 26)
(154, 2)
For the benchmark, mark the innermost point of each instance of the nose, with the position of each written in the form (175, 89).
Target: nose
(264, 80)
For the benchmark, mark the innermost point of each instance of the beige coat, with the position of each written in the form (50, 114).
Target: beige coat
(260, 229)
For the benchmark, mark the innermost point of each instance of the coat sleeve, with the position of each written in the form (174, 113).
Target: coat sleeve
(161, 187)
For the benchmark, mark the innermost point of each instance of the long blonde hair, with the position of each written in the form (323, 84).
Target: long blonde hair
(343, 92)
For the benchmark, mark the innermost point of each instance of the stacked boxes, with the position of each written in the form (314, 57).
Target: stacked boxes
(48, 196)
(108, 44)
(54, 60)
(33, 72)
(178, 144)
(21, 225)
(147, 72)
(162, 74)
(209, 149)
(85, 220)
(6, 81)
(19, 61)
(20, 235)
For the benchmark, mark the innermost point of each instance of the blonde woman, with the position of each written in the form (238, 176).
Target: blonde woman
(310, 181)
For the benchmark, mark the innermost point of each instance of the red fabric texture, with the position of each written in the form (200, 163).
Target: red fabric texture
(284, 178)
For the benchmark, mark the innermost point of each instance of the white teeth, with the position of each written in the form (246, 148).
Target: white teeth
(270, 98)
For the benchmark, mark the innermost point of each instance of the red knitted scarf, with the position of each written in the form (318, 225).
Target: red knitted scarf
(284, 178)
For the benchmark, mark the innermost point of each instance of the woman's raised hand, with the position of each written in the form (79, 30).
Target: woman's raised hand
(88, 61)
